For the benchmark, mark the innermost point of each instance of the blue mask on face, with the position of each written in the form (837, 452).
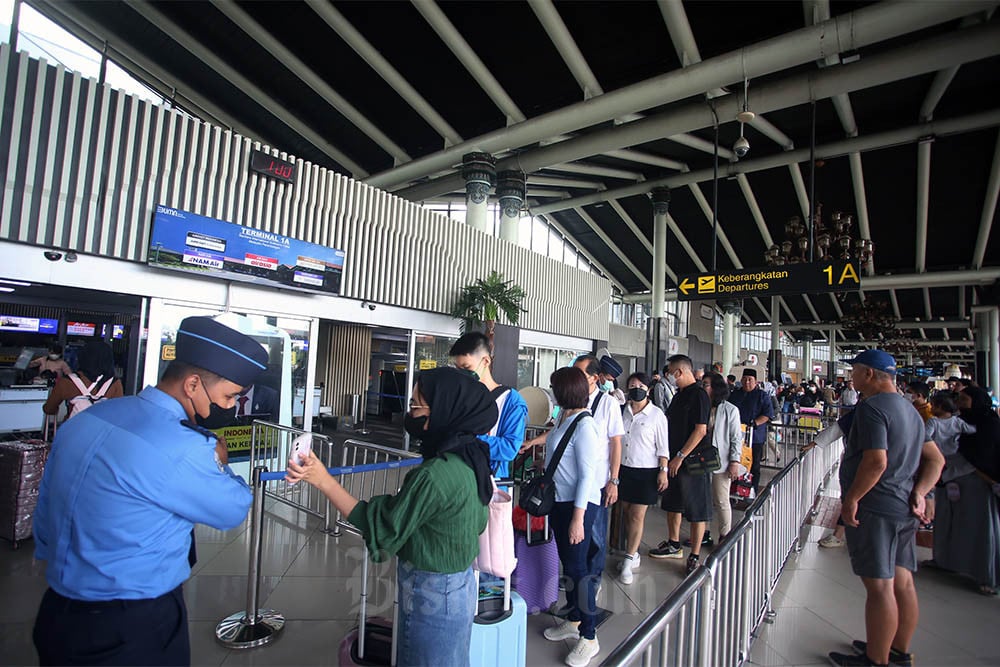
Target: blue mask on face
(606, 386)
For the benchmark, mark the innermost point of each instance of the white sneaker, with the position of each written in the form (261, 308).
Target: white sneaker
(583, 652)
(831, 541)
(565, 630)
(629, 563)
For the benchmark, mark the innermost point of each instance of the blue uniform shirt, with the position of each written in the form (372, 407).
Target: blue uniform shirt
(122, 489)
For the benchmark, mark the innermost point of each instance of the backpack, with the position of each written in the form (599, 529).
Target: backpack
(87, 397)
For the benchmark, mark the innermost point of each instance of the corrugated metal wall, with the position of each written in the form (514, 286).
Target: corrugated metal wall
(85, 165)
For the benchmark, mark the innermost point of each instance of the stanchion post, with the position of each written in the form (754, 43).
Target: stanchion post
(252, 627)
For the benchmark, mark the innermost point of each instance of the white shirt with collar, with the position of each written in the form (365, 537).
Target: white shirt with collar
(645, 438)
(608, 417)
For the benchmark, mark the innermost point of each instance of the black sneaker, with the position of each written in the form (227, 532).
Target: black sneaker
(692, 563)
(706, 541)
(897, 658)
(667, 550)
(851, 660)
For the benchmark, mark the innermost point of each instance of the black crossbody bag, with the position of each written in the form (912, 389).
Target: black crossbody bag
(538, 496)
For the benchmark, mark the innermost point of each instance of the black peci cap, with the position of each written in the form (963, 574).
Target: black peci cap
(205, 343)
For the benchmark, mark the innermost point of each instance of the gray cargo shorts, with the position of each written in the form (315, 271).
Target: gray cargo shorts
(881, 543)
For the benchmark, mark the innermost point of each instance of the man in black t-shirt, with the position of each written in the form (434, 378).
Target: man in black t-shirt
(689, 495)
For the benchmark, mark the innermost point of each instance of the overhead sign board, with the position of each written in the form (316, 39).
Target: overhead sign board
(188, 242)
(811, 278)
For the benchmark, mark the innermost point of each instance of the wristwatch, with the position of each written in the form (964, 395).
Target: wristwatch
(664, 469)
(615, 481)
(680, 454)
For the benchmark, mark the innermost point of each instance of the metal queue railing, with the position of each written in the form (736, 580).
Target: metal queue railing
(368, 470)
(713, 616)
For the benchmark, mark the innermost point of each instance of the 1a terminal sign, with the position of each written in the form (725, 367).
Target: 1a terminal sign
(812, 278)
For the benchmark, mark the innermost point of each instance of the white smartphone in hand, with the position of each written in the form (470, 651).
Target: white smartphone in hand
(301, 448)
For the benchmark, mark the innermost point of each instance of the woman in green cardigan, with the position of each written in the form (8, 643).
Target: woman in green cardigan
(433, 523)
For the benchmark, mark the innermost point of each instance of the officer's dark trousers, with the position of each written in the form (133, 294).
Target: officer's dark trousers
(116, 632)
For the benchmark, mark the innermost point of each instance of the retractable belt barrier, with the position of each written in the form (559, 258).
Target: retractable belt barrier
(368, 469)
(712, 617)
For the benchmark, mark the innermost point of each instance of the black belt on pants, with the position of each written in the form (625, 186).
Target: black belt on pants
(72, 605)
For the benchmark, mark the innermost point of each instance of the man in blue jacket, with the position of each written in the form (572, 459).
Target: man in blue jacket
(123, 487)
(472, 353)
(756, 410)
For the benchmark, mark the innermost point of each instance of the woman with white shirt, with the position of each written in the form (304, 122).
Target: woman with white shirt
(727, 436)
(578, 494)
(643, 473)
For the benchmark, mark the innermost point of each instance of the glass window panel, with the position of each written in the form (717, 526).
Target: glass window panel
(525, 367)
(524, 232)
(539, 237)
(119, 79)
(42, 38)
(547, 365)
(555, 245)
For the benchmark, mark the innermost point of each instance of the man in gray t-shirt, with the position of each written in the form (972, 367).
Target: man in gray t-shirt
(888, 468)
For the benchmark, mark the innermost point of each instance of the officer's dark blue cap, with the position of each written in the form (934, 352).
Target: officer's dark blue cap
(205, 343)
(610, 366)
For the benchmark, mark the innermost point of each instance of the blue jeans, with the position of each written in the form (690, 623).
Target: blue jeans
(435, 616)
(595, 564)
(581, 591)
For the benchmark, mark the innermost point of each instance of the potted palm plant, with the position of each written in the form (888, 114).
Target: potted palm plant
(481, 303)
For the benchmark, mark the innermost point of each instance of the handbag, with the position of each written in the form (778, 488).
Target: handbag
(496, 543)
(538, 496)
(742, 487)
(702, 460)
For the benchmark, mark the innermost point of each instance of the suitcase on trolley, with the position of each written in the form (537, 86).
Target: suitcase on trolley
(536, 577)
(500, 630)
(373, 641)
(22, 463)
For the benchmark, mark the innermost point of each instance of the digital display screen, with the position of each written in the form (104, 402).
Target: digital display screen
(41, 325)
(119, 331)
(80, 328)
(268, 165)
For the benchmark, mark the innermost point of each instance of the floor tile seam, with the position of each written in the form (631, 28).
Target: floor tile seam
(784, 661)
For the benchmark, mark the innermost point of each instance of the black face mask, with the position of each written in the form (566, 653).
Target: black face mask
(217, 418)
(637, 394)
(415, 425)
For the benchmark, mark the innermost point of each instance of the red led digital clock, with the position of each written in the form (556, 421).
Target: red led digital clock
(268, 165)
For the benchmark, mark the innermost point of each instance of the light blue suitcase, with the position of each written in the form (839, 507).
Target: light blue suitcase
(500, 637)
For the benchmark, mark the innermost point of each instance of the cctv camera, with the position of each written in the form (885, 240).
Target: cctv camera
(53, 256)
(367, 304)
(371, 306)
(741, 147)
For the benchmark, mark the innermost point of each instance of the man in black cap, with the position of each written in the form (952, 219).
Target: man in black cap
(756, 410)
(124, 485)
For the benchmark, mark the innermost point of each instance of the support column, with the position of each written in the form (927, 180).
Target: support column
(730, 334)
(807, 357)
(831, 366)
(987, 334)
(661, 205)
(774, 360)
(480, 173)
(510, 194)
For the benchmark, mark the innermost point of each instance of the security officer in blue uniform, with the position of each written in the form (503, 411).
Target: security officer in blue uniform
(124, 485)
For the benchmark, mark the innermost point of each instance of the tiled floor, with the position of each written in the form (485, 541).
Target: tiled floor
(314, 580)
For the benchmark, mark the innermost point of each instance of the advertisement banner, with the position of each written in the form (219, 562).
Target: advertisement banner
(188, 242)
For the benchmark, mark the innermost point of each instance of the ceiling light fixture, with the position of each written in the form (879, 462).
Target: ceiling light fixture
(6, 289)
(18, 283)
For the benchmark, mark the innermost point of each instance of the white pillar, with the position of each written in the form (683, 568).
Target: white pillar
(994, 355)
(730, 334)
(661, 204)
(831, 370)
(807, 359)
(479, 172)
(510, 195)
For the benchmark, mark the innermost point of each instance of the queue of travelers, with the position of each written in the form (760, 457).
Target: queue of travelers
(679, 439)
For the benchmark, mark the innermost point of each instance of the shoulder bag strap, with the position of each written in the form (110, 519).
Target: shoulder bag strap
(563, 443)
(597, 401)
(104, 388)
(84, 390)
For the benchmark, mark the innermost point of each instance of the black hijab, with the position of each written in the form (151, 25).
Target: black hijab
(461, 409)
(982, 448)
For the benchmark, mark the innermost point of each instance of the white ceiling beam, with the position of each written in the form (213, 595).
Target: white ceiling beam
(646, 158)
(589, 169)
(613, 247)
(561, 38)
(682, 239)
(862, 143)
(758, 217)
(856, 29)
(630, 222)
(384, 69)
(226, 71)
(294, 64)
(706, 209)
(558, 181)
(699, 144)
(923, 201)
(989, 209)
(453, 39)
(895, 304)
(788, 311)
(836, 305)
(812, 311)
